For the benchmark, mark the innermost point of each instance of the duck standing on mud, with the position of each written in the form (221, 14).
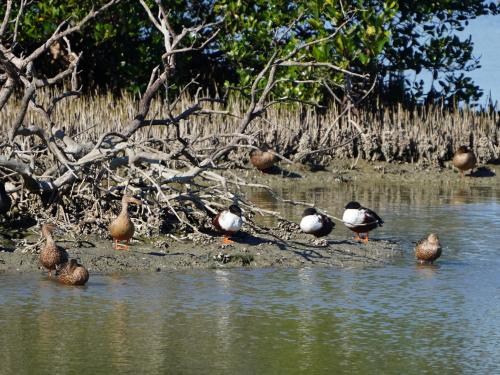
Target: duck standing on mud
(52, 256)
(464, 159)
(228, 222)
(5, 201)
(428, 249)
(122, 228)
(315, 223)
(72, 273)
(262, 158)
(360, 219)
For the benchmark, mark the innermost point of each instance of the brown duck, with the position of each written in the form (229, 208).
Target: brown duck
(262, 159)
(52, 256)
(122, 228)
(73, 273)
(464, 159)
(428, 249)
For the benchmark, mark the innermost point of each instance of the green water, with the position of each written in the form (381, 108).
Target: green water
(399, 319)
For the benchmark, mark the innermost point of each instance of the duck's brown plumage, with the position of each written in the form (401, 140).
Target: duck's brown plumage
(52, 256)
(428, 249)
(73, 273)
(262, 159)
(464, 159)
(122, 228)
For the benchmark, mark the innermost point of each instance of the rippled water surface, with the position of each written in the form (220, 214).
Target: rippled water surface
(399, 319)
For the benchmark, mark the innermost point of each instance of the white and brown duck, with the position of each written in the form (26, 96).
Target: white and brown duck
(51, 256)
(428, 249)
(228, 222)
(464, 159)
(72, 273)
(360, 220)
(122, 228)
(314, 223)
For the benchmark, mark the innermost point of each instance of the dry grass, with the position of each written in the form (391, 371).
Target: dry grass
(428, 136)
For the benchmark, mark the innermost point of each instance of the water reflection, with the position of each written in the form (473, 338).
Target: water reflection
(403, 318)
(427, 271)
(378, 196)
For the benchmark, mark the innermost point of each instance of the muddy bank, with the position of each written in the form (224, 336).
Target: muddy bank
(248, 250)
(351, 170)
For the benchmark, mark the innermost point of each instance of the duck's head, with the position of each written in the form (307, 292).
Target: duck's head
(309, 211)
(48, 228)
(130, 199)
(234, 209)
(264, 147)
(463, 150)
(353, 206)
(255, 152)
(433, 238)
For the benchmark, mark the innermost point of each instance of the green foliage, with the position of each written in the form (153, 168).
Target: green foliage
(424, 38)
(386, 38)
(255, 31)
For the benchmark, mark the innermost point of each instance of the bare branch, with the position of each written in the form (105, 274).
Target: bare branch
(18, 19)
(59, 33)
(28, 95)
(152, 18)
(6, 18)
(317, 64)
(6, 91)
(315, 41)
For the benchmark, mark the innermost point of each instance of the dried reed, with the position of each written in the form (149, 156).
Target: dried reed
(391, 134)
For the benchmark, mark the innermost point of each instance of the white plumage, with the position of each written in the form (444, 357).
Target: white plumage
(310, 223)
(230, 222)
(353, 217)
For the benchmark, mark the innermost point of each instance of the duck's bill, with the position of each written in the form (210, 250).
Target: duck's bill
(135, 201)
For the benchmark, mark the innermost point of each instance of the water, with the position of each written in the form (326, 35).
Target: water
(399, 319)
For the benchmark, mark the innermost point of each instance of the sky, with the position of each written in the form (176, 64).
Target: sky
(485, 33)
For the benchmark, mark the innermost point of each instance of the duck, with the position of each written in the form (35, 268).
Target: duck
(262, 158)
(72, 273)
(464, 159)
(122, 228)
(428, 249)
(360, 219)
(5, 201)
(315, 223)
(228, 222)
(52, 256)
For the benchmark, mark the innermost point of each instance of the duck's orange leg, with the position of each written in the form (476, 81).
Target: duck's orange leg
(119, 246)
(357, 238)
(365, 239)
(227, 241)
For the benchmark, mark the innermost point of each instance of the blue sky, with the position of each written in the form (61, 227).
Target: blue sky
(485, 33)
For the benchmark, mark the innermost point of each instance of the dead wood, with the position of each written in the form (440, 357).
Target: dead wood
(182, 177)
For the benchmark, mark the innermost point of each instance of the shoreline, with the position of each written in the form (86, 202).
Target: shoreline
(249, 252)
(282, 246)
